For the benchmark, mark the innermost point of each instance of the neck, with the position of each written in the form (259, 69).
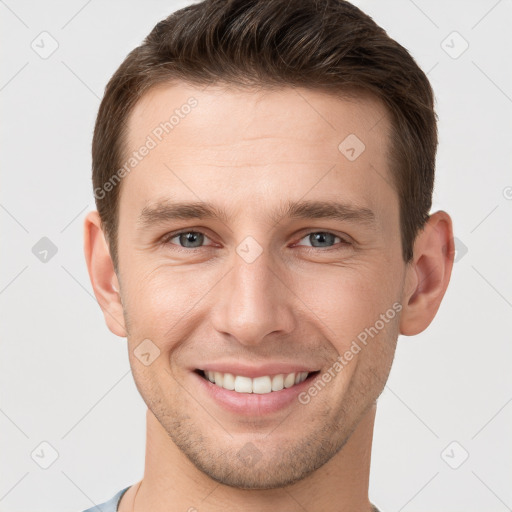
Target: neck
(172, 482)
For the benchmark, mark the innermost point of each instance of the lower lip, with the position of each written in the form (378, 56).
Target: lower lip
(254, 404)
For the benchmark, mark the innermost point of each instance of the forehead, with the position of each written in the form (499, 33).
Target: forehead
(230, 110)
(215, 140)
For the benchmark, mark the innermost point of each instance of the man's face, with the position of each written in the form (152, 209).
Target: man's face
(260, 287)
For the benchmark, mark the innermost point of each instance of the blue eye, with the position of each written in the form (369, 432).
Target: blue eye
(321, 237)
(190, 239)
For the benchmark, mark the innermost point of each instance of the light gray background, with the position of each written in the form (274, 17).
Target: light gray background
(65, 379)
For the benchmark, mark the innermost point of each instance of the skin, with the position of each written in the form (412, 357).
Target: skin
(248, 151)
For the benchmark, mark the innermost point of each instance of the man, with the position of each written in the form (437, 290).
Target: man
(263, 173)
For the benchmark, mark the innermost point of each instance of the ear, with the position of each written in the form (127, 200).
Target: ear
(102, 275)
(428, 274)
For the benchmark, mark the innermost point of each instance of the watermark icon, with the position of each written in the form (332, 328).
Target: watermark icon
(351, 147)
(507, 193)
(249, 455)
(152, 140)
(44, 250)
(44, 455)
(343, 360)
(45, 45)
(454, 45)
(454, 455)
(249, 249)
(461, 249)
(146, 352)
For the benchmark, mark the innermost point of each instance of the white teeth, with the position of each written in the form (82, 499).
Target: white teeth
(277, 382)
(289, 380)
(259, 385)
(219, 377)
(229, 381)
(242, 384)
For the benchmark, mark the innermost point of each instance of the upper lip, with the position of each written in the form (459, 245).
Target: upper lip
(253, 371)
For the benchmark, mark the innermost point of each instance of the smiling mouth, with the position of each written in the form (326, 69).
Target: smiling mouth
(260, 385)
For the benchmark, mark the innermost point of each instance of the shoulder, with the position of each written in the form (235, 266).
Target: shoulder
(110, 505)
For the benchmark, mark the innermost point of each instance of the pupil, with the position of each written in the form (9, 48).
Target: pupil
(321, 237)
(192, 237)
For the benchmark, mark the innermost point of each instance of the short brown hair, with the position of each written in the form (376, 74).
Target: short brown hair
(319, 44)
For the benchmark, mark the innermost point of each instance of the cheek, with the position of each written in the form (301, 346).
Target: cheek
(341, 300)
(345, 300)
(160, 301)
(161, 290)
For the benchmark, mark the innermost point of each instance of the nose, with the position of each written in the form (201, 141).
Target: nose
(253, 301)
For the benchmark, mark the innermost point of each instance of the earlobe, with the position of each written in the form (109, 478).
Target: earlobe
(102, 275)
(428, 274)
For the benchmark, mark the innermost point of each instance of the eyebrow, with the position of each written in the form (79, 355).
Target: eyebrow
(164, 211)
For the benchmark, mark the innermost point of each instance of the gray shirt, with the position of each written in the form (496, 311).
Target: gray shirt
(112, 504)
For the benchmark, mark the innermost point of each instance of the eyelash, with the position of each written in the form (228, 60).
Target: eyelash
(167, 241)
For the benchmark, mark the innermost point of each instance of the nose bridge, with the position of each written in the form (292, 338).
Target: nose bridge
(253, 301)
